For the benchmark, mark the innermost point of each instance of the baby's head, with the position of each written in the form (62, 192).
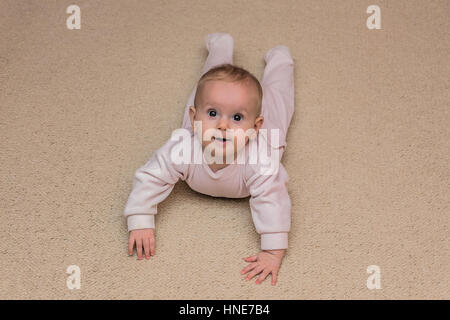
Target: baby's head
(227, 97)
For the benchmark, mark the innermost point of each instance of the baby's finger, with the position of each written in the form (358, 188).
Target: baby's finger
(263, 276)
(130, 245)
(152, 246)
(251, 258)
(274, 277)
(139, 248)
(147, 247)
(255, 271)
(249, 267)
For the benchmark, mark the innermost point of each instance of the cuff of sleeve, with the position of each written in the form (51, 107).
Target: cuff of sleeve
(273, 241)
(141, 221)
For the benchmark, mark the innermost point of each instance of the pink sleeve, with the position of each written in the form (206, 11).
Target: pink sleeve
(152, 183)
(270, 206)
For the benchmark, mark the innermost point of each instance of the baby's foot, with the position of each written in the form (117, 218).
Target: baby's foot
(280, 49)
(224, 41)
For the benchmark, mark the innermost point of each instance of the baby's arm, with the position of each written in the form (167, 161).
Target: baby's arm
(271, 212)
(152, 183)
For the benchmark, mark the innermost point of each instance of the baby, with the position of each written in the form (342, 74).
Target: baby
(223, 118)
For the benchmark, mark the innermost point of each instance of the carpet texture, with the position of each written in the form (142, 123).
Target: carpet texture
(368, 149)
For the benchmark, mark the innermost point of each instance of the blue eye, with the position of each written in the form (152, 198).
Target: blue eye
(212, 113)
(237, 117)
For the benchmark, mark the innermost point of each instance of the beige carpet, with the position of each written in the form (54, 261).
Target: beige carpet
(368, 149)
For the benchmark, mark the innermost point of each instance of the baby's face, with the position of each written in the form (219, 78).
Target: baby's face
(223, 106)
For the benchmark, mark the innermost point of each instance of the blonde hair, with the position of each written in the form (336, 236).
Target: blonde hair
(229, 72)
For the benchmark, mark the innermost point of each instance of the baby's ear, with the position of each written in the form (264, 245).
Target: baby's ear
(258, 123)
(192, 112)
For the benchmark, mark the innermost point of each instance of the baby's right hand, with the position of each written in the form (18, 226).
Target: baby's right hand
(142, 237)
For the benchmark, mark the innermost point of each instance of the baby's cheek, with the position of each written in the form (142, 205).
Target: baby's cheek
(240, 140)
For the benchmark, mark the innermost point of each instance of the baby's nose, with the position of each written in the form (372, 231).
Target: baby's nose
(223, 123)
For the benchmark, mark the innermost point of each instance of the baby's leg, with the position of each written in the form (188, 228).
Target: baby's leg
(220, 47)
(278, 93)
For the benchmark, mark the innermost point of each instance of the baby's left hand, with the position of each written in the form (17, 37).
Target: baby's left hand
(267, 261)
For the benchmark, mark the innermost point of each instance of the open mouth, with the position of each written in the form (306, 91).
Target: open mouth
(223, 140)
